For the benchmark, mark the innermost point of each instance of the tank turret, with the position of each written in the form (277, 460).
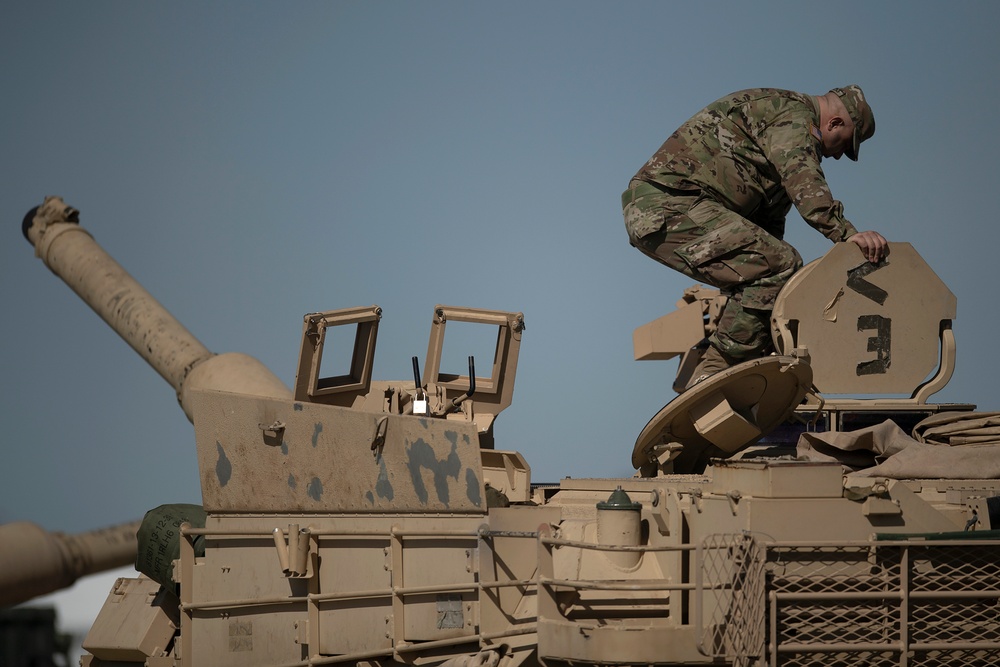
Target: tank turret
(34, 561)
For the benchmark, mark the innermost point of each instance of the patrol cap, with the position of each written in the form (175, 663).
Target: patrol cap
(861, 114)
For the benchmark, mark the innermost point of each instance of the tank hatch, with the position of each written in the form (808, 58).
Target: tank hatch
(721, 415)
(869, 329)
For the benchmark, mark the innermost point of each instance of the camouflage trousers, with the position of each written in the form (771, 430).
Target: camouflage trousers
(704, 240)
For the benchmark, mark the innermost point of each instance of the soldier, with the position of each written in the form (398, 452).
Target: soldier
(711, 202)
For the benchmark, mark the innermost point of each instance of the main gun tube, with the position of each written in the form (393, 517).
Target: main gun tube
(181, 359)
(34, 561)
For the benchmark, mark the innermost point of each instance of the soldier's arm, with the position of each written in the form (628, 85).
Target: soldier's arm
(794, 153)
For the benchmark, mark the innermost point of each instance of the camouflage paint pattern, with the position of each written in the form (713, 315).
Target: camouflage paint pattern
(711, 203)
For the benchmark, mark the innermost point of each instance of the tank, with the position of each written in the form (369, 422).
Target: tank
(355, 521)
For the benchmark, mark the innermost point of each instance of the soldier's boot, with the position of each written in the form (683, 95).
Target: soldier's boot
(712, 362)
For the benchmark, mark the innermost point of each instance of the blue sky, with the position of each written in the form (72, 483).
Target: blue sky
(250, 162)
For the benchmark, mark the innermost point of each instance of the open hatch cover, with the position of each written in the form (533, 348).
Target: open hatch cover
(725, 413)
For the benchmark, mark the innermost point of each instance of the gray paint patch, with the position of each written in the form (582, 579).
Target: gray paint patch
(284, 448)
(449, 611)
(223, 467)
(315, 489)
(370, 498)
(421, 455)
(383, 487)
(452, 438)
(317, 429)
(240, 636)
(472, 487)
(291, 482)
(297, 407)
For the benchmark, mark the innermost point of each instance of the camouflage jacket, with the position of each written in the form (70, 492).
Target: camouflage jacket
(754, 152)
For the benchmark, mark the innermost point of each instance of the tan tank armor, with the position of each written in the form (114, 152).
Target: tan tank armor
(377, 523)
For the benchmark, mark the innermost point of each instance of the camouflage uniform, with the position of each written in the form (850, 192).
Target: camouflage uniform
(711, 203)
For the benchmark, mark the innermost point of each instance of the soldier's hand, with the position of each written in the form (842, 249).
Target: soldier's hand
(873, 246)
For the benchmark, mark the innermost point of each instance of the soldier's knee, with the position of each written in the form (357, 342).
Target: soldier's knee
(792, 260)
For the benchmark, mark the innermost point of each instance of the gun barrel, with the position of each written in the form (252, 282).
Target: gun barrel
(34, 561)
(181, 359)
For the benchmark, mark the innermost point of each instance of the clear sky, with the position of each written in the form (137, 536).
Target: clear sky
(249, 162)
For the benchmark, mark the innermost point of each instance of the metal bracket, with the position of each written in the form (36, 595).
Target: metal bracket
(378, 440)
(293, 555)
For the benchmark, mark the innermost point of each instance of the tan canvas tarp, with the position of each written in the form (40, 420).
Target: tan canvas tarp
(959, 428)
(950, 445)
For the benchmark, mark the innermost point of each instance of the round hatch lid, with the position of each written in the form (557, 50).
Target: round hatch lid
(725, 413)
